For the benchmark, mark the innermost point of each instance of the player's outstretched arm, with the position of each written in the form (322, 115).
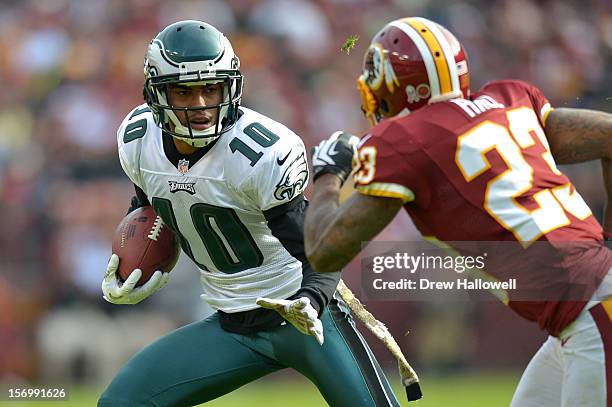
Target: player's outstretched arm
(333, 234)
(578, 135)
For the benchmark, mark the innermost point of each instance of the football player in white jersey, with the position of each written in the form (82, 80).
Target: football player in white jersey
(229, 182)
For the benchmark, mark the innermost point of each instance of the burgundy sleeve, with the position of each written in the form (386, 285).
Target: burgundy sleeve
(540, 103)
(381, 169)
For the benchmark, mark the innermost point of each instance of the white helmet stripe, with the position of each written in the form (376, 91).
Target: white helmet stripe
(448, 52)
(432, 73)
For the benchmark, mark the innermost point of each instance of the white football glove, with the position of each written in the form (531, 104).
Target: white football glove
(127, 292)
(299, 312)
(334, 156)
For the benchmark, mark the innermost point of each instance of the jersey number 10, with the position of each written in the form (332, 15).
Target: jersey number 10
(228, 242)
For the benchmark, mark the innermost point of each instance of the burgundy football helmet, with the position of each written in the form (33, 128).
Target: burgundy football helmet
(411, 62)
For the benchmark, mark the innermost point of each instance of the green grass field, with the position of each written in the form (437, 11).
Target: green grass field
(488, 389)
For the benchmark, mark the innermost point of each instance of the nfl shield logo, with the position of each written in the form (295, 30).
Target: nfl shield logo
(183, 166)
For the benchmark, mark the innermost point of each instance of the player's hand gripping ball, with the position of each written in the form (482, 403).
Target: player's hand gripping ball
(142, 241)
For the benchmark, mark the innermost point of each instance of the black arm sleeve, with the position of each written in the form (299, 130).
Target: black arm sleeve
(286, 222)
(139, 200)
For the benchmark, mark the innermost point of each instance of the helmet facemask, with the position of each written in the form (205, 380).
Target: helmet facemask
(156, 94)
(377, 83)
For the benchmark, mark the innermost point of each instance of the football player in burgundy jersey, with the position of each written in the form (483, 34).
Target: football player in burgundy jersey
(478, 167)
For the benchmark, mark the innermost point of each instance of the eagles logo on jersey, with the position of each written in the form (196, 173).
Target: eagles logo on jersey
(294, 178)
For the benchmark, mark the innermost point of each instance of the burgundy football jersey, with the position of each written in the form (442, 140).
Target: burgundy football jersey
(481, 170)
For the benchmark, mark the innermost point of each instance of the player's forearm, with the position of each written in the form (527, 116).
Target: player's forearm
(319, 218)
(606, 165)
(578, 135)
(318, 287)
(334, 234)
(323, 203)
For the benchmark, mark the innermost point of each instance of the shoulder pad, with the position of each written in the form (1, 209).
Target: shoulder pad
(136, 125)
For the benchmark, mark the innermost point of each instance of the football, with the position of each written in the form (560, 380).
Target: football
(142, 240)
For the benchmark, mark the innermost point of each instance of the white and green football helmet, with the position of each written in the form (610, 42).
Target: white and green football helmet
(190, 52)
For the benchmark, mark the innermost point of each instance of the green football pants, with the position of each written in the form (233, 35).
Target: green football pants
(201, 361)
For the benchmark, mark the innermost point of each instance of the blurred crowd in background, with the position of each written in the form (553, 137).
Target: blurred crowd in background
(70, 70)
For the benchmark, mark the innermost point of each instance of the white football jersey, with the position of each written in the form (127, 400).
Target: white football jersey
(217, 204)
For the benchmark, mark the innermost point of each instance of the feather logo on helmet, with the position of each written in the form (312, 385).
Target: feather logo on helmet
(293, 180)
(381, 70)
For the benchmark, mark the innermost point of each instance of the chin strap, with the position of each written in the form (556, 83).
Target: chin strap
(199, 142)
(203, 141)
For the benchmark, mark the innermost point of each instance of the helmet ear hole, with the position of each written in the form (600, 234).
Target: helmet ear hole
(384, 106)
